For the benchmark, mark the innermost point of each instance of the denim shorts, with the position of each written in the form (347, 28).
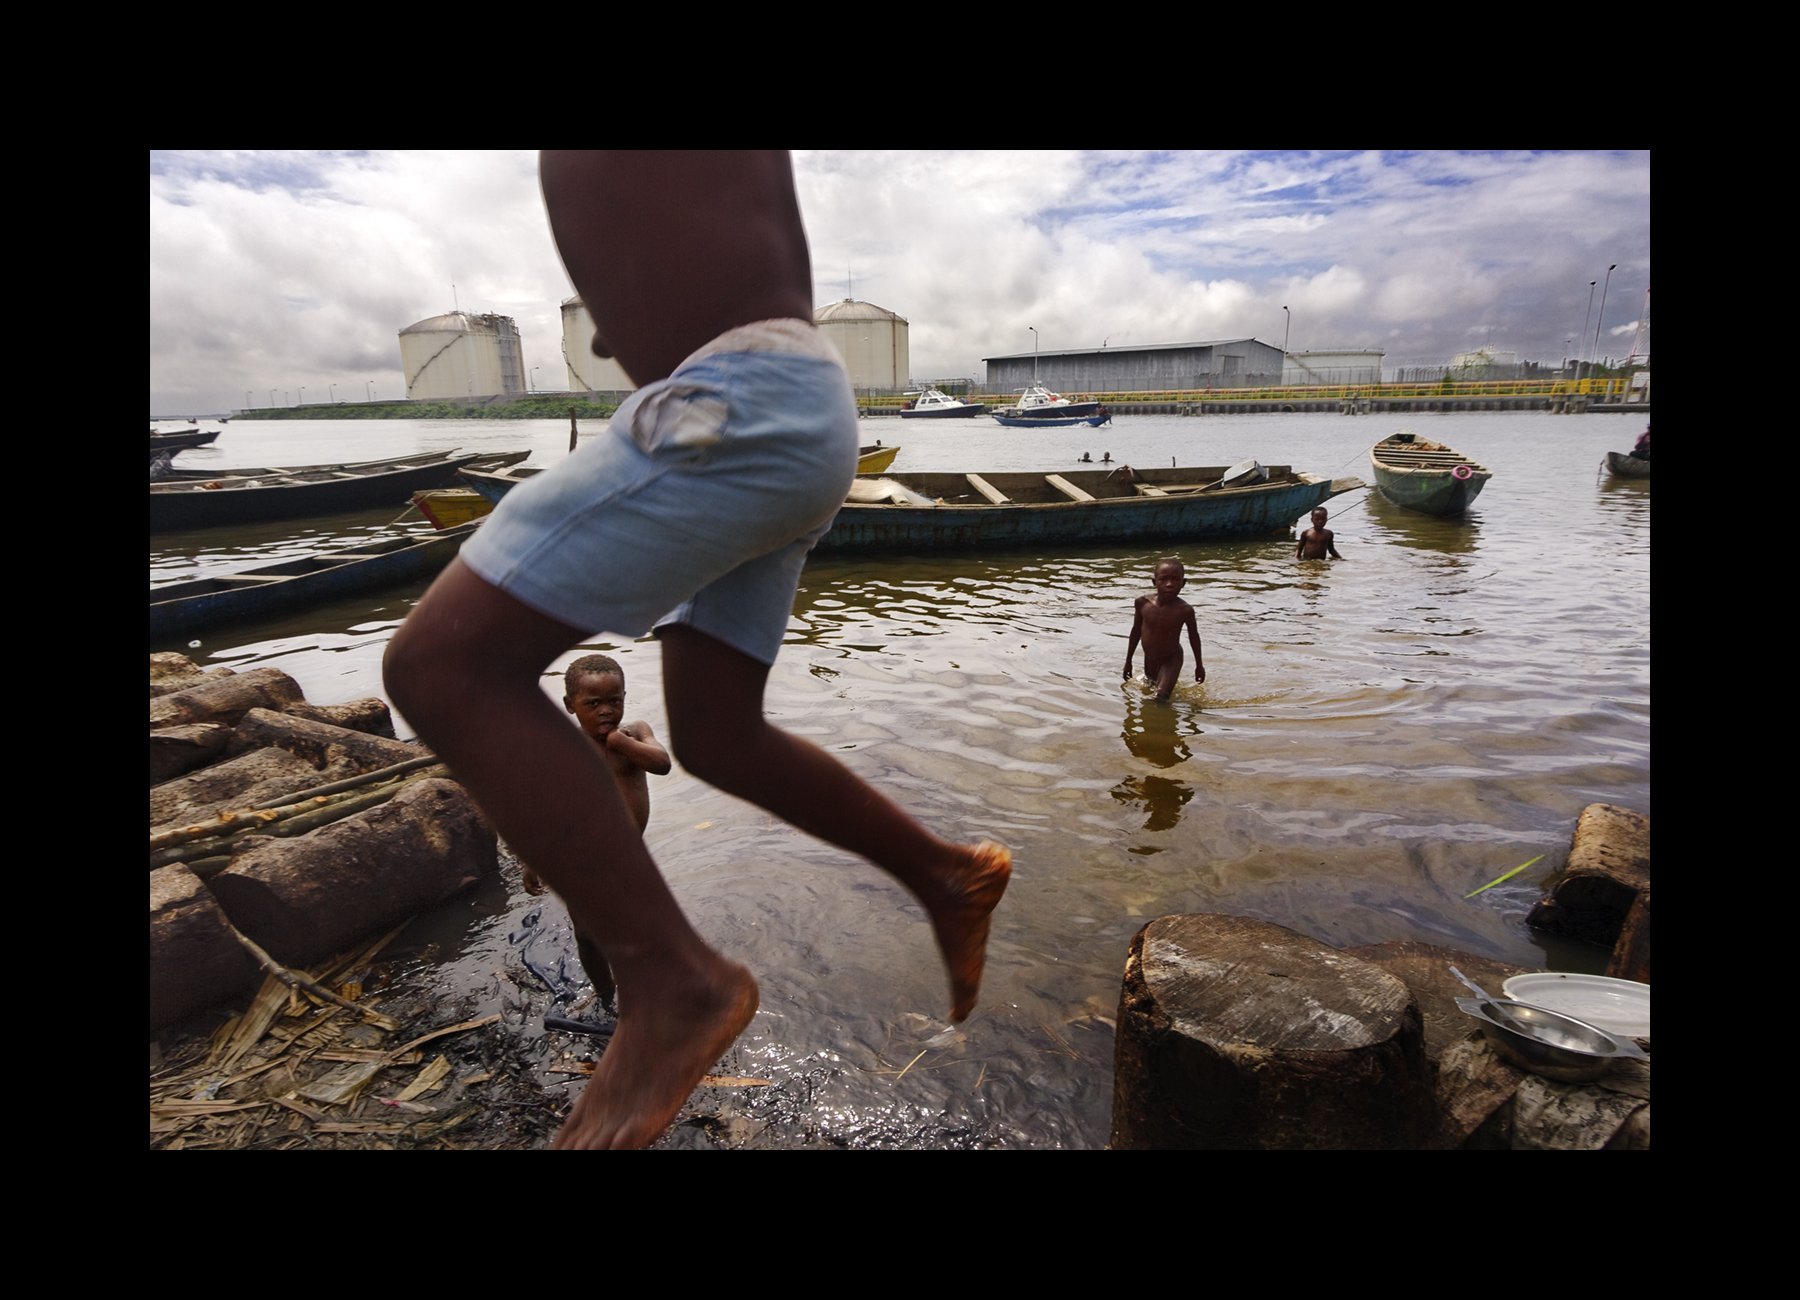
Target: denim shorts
(697, 505)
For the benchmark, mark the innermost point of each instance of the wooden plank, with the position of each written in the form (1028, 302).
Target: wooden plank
(1067, 488)
(1146, 490)
(988, 490)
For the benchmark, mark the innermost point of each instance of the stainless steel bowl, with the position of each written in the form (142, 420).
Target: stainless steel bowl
(1547, 1042)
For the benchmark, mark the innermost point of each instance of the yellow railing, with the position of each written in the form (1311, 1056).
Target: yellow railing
(1602, 389)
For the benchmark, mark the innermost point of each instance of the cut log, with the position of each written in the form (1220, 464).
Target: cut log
(171, 672)
(195, 960)
(1239, 1034)
(323, 744)
(240, 782)
(306, 898)
(371, 716)
(1608, 866)
(226, 699)
(174, 750)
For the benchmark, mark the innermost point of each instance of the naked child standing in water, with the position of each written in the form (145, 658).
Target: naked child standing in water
(1158, 623)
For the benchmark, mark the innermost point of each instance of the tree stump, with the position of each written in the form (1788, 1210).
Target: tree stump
(195, 960)
(1608, 866)
(1237, 1034)
(306, 898)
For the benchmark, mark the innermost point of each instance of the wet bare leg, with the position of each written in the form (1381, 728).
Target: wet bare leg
(1166, 674)
(466, 670)
(714, 696)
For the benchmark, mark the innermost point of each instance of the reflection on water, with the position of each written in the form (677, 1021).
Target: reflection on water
(1376, 738)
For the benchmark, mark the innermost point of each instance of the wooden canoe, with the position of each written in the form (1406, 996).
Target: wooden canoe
(927, 513)
(179, 608)
(1624, 465)
(256, 496)
(184, 438)
(1426, 476)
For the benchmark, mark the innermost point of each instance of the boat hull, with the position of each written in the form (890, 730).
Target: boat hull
(1051, 422)
(183, 607)
(872, 460)
(181, 441)
(946, 412)
(1623, 465)
(935, 513)
(1426, 477)
(189, 503)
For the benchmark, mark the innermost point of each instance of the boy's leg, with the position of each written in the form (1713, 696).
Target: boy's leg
(714, 696)
(465, 670)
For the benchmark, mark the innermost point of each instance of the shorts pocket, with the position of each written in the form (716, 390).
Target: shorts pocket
(674, 415)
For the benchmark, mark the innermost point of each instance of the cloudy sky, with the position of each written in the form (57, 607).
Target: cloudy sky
(282, 275)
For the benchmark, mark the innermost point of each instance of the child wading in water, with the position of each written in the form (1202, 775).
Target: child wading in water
(1318, 541)
(594, 691)
(1158, 623)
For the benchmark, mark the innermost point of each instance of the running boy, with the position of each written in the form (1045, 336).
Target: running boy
(693, 513)
(1158, 623)
(1317, 542)
(594, 691)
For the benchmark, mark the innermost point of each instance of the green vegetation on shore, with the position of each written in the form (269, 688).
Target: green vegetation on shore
(546, 406)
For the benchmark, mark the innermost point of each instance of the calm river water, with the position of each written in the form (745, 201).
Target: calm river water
(1375, 739)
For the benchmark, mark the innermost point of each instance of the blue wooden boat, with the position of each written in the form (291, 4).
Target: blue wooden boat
(932, 513)
(179, 608)
(261, 495)
(1426, 476)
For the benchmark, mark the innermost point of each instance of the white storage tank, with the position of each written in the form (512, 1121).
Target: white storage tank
(460, 354)
(587, 372)
(872, 341)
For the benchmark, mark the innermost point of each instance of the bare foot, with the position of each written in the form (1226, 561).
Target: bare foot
(961, 921)
(660, 1050)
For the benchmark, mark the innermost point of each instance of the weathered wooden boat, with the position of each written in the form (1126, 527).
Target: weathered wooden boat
(179, 608)
(1426, 476)
(255, 496)
(493, 484)
(1100, 417)
(182, 438)
(949, 512)
(451, 506)
(872, 460)
(1625, 465)
(934, 404)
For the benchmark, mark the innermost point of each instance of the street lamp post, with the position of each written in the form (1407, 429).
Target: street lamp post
(303, 394)
(271, 397)
(1034, 352)
(369, 385)
(246, 399)
(333, 388)
(1602, 316)
(1286, 330)
(1584, 323)
(534, 371)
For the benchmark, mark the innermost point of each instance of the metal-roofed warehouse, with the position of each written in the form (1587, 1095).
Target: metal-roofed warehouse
(1160, 367)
